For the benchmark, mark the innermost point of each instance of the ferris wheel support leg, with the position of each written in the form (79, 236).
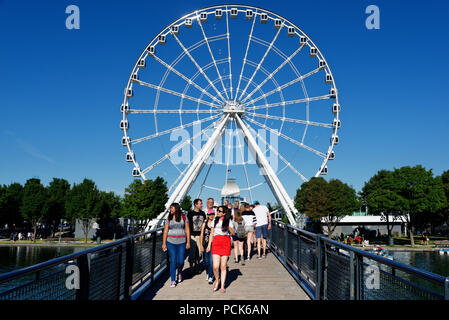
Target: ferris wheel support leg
(270, 176)
(194, 170)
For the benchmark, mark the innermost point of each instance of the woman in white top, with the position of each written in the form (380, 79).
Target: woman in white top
(220, 244)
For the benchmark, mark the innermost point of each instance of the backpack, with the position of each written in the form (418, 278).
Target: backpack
(240, 231)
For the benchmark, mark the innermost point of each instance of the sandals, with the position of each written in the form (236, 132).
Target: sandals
(216, 287)
(222, 290)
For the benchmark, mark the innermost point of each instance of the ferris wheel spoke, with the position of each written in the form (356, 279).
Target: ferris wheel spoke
(244, 60)
(170, 111)
(212, 57)
(286, 162)
(183, 172)
(288, 84)
(229, 151)
(171, 68)
(175, 93)
(311, 123)
(260, 62)
(161, 133)
(244, 165)
(178, 147)
(299, 144)
(206, 176)
(272, 74)
(198, 67)
(289, 102)
(228, 35)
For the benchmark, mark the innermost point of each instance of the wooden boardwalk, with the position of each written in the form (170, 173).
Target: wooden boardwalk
(264, 279)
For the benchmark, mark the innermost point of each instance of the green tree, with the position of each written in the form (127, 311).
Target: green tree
(444, 213)
(326, 201)
(381, 198)
(84, 203)
(419, 193)
(343, 202)
(186, 203)
(55, 206)
(311, 199)
(143, 201)
(110, 205)
(10, 205)
(35, 197)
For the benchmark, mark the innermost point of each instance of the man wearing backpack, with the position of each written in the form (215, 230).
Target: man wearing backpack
(196, 218)
(240, 233)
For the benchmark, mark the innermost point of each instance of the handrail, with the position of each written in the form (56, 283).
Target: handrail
(399, 265)
(82, 255)
(317, 262)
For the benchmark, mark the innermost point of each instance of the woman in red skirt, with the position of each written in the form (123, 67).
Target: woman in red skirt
(220, 244)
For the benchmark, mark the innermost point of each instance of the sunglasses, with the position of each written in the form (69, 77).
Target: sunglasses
(220, 211)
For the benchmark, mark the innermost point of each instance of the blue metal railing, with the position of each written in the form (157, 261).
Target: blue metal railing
(329, 270)
(118, 270)
(324, 268)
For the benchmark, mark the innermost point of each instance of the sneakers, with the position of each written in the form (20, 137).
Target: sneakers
(259, 258)
(211, 280)
(243, 261)
(179, 277)
(173, 284)
(264, 256)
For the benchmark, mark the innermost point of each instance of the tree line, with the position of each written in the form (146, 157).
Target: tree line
(410, 194)
(33, 205)
(413, 194)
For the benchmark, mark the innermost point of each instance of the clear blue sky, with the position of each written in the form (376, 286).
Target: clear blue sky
(61, 89)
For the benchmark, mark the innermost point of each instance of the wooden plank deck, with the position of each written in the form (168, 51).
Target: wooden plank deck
(264, 279)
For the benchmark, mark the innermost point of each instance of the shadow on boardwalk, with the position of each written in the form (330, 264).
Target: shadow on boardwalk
(264, 279)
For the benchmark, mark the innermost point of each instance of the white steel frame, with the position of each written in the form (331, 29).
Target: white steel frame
(221, 107)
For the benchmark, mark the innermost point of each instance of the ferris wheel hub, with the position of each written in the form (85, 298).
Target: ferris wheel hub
(233, 108)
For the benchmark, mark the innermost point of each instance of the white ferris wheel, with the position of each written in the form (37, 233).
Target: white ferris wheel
(236, 78)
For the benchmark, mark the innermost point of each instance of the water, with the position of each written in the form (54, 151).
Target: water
(17, 257)
(427, 260)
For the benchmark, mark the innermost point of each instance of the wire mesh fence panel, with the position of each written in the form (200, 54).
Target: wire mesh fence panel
(292, 248)
(143, 252)
(104, 274)
(382, 282)
(277, 236)
(161, 256)
(337, 276)
(308, 257)
(49, 286)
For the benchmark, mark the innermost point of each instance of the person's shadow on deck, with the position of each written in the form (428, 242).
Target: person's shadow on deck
(231, 276)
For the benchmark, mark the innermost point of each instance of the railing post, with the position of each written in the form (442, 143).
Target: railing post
(325, 272)
(83, 265)
(129, 267)
(351, 276)
(119, 273)
(299, 252)
(319, 271)
(286, 244)
(446, 288)
(153, 255)
(358, 276)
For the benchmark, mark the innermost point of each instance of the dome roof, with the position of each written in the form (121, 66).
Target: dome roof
(230, 189)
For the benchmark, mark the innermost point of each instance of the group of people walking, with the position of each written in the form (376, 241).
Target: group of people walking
(207, 237)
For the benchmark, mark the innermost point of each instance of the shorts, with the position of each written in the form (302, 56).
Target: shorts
(262, 231)
(221, 245)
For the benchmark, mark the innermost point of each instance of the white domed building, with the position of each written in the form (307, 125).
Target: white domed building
(230, 191)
